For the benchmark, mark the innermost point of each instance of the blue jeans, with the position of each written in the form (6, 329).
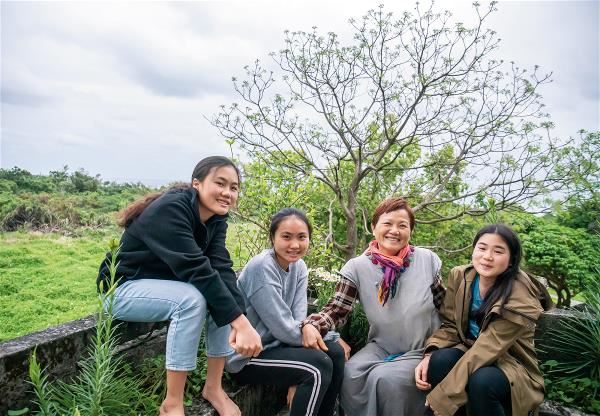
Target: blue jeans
(155, 300)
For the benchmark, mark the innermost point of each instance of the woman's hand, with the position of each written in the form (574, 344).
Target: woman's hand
(421, 374)
(290, 396)
(243, 337)
(346, 348)
(311, 338)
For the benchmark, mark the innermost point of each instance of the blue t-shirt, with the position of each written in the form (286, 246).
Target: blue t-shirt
(476, 302)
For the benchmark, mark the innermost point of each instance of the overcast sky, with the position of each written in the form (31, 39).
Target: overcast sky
(123, 89)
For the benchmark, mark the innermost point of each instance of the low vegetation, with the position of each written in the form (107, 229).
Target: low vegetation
(47, 278)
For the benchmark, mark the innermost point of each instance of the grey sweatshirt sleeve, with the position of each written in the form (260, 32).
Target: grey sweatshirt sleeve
(300, 302)
(276, 315)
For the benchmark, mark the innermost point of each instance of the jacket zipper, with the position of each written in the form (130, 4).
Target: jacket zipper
(462, 313)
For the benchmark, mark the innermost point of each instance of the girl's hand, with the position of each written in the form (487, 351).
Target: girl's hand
(290, 396)
(421, 374)
(311, 338)
(243, 337)
(346, 348)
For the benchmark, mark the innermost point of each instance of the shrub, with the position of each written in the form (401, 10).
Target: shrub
(31, 213)
(575, 378)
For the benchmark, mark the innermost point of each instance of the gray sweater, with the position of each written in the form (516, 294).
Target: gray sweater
(276, 302)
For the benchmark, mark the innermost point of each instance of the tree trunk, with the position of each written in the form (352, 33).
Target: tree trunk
(349, 250)
(564, 296)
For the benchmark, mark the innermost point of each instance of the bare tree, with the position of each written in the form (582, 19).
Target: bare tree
(419, 85)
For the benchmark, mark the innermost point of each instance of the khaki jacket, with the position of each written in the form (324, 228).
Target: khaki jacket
(505, 339)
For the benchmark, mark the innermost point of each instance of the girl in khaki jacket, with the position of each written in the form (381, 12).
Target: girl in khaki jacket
(483, 356)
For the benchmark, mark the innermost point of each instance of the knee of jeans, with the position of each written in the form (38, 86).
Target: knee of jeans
(217, 341)
(192, 301)
(337, 354)
(442, 361)
(480, 383)
(324, 365)
(445, 355)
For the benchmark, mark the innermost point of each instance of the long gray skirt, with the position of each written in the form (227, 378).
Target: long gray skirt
(373, 387)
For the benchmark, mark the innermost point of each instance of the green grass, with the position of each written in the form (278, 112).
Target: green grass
(47, 279)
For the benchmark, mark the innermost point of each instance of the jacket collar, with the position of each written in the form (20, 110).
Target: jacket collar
(470, 273)
(522, 306)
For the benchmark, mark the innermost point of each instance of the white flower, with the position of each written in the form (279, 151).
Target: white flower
(323, 275)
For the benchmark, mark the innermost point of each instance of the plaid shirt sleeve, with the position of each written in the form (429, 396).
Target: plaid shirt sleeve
(335, 313)
(438, 290)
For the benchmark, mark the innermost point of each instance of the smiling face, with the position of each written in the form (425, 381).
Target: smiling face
(290, 241)
(392, 231)
(218, 191)
(491, 256)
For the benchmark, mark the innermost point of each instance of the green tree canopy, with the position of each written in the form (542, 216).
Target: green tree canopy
(565, 256)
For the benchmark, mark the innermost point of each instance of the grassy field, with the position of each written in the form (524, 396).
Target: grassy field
(47, 278)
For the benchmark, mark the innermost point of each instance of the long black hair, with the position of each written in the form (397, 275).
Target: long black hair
(503, 284)
(201, 171)
(282, 214)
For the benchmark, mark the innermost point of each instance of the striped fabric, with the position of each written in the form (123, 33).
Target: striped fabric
(311, 369)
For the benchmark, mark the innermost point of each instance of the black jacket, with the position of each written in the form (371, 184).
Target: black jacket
(169, 241)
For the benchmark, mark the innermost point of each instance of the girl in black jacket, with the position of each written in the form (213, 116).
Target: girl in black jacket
(173, 265)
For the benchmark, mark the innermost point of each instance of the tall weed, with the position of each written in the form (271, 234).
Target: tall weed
(100, 389)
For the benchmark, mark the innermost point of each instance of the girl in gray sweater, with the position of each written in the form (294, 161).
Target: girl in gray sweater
(274, 287)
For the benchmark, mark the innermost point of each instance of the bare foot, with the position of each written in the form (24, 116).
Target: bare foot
(169, 409)
(221, 401)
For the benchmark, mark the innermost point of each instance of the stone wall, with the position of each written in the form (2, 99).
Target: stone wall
(60, 348)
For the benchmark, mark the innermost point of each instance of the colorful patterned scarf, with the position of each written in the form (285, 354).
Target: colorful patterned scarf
(393, 267)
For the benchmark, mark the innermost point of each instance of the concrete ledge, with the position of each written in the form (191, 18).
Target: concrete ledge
(544, 340)
(549, 408)
(60, 348)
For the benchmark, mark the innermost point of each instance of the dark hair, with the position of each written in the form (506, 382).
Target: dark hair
(207, 164)
(201, 171)
(281, 215)
(390, 205)
(503, 284)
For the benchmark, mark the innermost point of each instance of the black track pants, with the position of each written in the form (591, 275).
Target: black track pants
(318, 376)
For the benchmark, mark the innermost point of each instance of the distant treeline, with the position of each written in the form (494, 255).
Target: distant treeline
(61, 200)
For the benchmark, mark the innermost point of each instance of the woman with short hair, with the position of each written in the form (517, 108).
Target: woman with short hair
(399, 288)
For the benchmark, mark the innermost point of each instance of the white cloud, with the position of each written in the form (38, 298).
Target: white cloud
(123, 89)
